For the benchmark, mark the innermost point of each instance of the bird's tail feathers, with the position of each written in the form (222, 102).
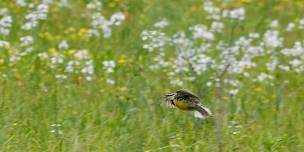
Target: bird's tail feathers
(202, 112)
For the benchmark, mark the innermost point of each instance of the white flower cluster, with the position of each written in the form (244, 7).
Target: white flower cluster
(199, 51)
(162, 23)
(301, 23)
(108, 66)
(99, 22)
(21, 3)
(26, 45)
(217, 27)
(95, 5)
(201, 31)
(34, 17)
(272, 39)
(26, 40)
(63, 45)
(264, 76)
(237, 14)
(216, 13)
(4, 43)
(81, 64)
(78, 64)
(297, 57)
(213, 11)
(157, 40)
(5, 22)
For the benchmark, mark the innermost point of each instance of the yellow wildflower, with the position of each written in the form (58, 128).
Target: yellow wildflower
(122, 59)
(71, 52)
(52, 50)
(49, 36)
(73, 36)
(246, 1)
(82, 32)
(225, 98)
(258, 89)
(70, 30)
(58, 37)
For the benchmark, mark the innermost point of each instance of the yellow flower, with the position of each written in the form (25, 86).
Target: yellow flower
(41, 34)
(122, 59)
(122, 89)
(52, 50)
(82, 32)
(73, 36)
(246, 1)
(71, 51)
(225, 98)
(113, 4)
(258, 89)
(58, 37)
(48, 36)
(70, 30)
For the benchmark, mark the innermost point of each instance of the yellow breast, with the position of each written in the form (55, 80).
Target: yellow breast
(181, 104)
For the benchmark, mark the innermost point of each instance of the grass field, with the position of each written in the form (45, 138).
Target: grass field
(89, 75)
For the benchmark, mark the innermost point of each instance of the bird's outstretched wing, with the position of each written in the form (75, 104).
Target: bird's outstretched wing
(189, 94)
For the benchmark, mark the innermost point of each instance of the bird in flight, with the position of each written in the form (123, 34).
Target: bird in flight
(185, 100)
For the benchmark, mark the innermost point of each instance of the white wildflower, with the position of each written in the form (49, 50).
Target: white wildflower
(301, 23)
(290, 26)
(109, 66)
(217, 27)
(264, 76)
(81, 54)
(274, 24)
(4, 43)
(213, 11)
(5, 25)
(176, 82)
(33, 17)
(297, 50)
(201, 31)
(272, 39)
(117, 18)
(26, 40)
(284, 67)
(110, 81)
(63, 45)
(61, 76)
(94, 4)
(162, 23)
(233, 91)
(238, 14)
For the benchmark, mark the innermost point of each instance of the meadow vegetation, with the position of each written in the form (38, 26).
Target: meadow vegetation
(90, 75)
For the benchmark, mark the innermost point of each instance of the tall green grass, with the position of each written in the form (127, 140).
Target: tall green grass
(41, 113)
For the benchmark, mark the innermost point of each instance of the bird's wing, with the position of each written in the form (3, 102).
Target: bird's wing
(187, 93)
(190, 95)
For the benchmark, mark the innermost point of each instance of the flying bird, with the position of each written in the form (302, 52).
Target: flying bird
(185, 100)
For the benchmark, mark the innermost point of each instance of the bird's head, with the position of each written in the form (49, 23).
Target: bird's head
(170, 96)
(169, 99)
